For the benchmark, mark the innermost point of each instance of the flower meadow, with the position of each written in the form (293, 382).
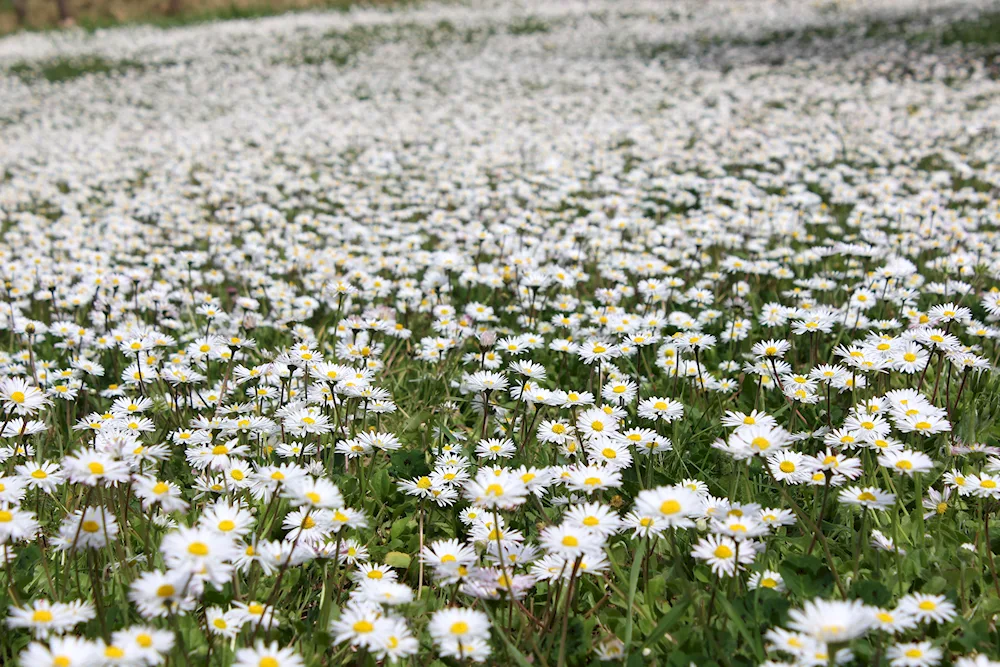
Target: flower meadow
(545, 335)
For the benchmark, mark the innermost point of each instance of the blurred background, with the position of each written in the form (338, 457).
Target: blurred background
(42, 14)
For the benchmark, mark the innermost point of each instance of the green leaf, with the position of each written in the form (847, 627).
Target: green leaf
(397, 559)
(399, 527)
(517, 655)
(666, 622)
(633, 582)
(737, 620)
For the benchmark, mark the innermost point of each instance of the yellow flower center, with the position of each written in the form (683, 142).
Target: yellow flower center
(722, 551)
(670, 507)
(198, 549)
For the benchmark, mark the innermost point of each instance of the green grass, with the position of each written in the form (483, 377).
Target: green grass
(529, 25)
(984, 31)
(227, 12)
(67, 69)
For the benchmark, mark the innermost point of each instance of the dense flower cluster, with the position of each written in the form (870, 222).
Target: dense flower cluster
(620, 330)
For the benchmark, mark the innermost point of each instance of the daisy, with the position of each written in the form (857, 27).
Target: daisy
(595, 423)
(893, 621)
(724, 555)
(927, 608)
(771, 349)
(913, 654)
(593, 478)
(47, 476)
(663, 409)
(832, 621)
(458, 625)
(766, 579)
(496, 448)
(788, 466)
(201, 552)
(60, 652)
(569, 540)
(90, 528)
(42, 618)
(594, 517)
(609, 452)
(869, 497)
(906, 462)
(757, 440)
(16, 524)
(156, 594)
(936, 502)
(21, 398)
(488, 490)
(95, 468)
(671, 506)
(267, 655)
(395, 641)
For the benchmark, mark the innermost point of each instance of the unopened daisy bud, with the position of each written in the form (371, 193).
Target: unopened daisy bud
(487, 339)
